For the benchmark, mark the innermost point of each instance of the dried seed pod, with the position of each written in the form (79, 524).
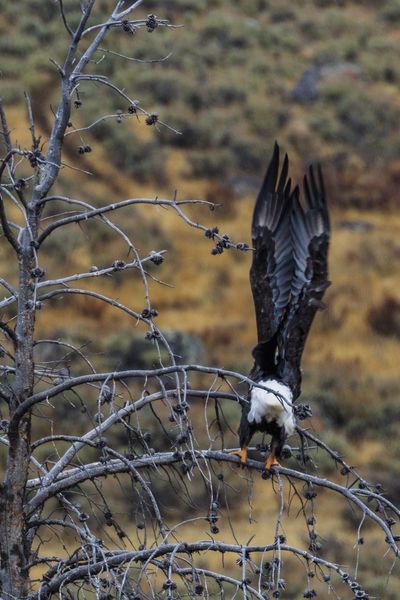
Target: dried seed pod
(119, 264)
(152, 335)
(303, 411)
(37, 273)
(106, 395)
(20, 184)
(310, 494)
(152, 119)
(156, 258)
(132, 108)
(151, 23)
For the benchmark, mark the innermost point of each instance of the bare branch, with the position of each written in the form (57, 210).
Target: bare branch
(104, 81)
(129, 202)
(134, 373)
(87, 55)
(65, 291)
(188, 549)
(6, 227)
(128, 10)
(35, 140)
(97, 273)
(9, 287)
(64, 18)
(99, 120)
(116, 22)
(8, 331)
(118, 416)
(133, 59)
(53, 157)
(73, 477)
(4, 128)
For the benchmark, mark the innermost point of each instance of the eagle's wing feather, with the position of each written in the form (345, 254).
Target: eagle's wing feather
(310, 229)
(272, 267)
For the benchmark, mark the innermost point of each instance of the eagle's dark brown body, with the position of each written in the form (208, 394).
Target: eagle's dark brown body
(288, 279)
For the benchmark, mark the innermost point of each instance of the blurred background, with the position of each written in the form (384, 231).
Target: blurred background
(321, 77)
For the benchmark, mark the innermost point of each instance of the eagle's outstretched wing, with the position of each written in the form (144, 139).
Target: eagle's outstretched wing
(289, 270)
(310, 230)
(272, 267)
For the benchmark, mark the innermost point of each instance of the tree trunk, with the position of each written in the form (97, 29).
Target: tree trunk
(14, 544)
(14, 552)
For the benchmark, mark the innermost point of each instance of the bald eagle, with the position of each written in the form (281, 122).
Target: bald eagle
(288, 279)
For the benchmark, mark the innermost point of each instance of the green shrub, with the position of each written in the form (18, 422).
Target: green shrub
(227, 32)
(280, 15)
(325, 126)
(126, 351)
(197, 131)
(248, 153)
(63, 244)
(225, 94)
(186, 347)
(391, 11)
(178, 6)
(379, 586)
(219, 163)
(144, 160)
(310, 29)
(279, 38)
(263, 121)
(328, 3)
(325, 464)
(16, 46)
(364, 119)
(161, 86)
(362, 408)
(384, 318)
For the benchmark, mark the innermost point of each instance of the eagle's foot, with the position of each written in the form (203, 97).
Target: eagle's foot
(268, 469)
(242, 454)
(271, 462)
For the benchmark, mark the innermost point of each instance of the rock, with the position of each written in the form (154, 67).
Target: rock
(308, 87)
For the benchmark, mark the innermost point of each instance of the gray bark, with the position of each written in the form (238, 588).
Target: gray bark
(15, 551)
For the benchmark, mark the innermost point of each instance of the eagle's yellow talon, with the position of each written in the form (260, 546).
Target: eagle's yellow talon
(242, 454)
(271, 462)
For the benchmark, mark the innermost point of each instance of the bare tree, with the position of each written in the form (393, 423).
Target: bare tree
(53, 486)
